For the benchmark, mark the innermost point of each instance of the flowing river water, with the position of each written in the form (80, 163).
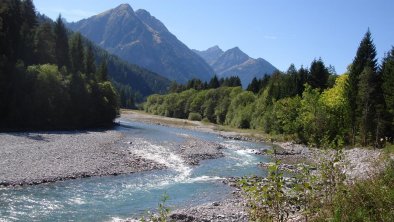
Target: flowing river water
(113, 197)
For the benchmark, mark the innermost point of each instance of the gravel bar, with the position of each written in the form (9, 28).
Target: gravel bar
(34, 158)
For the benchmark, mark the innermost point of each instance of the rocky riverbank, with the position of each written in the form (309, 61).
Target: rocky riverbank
(41, 157)
(359, 164)
(34, 158)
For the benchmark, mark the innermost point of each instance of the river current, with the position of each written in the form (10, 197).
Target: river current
(117, 197)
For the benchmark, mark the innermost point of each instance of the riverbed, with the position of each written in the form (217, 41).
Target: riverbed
(148, 159)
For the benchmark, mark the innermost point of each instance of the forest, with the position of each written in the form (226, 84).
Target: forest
(48, 77)
(309, 105)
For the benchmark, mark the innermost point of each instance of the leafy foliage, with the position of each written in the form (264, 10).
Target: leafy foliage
(40, 87)
(162, 214)
(313, 106)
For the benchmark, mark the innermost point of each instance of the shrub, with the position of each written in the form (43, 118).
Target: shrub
(194, 117)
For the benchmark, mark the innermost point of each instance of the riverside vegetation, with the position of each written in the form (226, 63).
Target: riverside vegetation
(312, 106)
(324, 195)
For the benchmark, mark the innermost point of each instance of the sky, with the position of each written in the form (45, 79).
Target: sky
(280, 31)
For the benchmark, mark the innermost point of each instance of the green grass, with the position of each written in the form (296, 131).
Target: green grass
(389, 148)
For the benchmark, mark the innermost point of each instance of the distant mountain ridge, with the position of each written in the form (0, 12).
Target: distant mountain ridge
(141, 39)
(234, 62)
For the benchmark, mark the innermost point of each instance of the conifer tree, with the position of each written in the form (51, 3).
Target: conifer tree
(44, 44)
(214, 83)
(293, 80)
(318, 75)
(387, 74)
(89, 66)
(61, 46)
(29, 23)
(365, 104)
(366, 56)
(302, 77)
(76, 53)
(254, 86)
(102, 72)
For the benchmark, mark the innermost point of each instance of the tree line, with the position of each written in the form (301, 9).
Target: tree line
(313, 106)
(48, 79)
(197, 84)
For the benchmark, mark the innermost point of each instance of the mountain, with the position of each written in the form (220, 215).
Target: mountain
(139, 38)
(131, 81)
(235, 62)
(138, 81)
(210, 55)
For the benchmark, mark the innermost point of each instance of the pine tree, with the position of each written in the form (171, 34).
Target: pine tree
(264, 82)
(365, 103)
(366, 56)
(44, 44)
(387, 74)
(319, 74)
(61, 46)
(302, 77)
(89, 65)
(29, 23)
(76, 53)
(293, 80)
(102, 72)
(214, 83)
(254, 86)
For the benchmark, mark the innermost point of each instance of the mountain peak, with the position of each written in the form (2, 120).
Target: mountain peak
(237, 54)
(215, 48)
(236, 50)
(121, 10)
(123, 7)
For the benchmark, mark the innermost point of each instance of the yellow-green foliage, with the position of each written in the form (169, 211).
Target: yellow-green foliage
(317, 117)
(335, 98)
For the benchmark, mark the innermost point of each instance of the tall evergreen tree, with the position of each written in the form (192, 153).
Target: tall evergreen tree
(318, 76)
(214, 83)
(365, 104)
(302, 78)
(387, 74)
(293, 80)
(44, 44)
(29, 23)
(366, 56)
(254, 86)
(76, 53)
(89, 64)
(61, 46)
(102, 72)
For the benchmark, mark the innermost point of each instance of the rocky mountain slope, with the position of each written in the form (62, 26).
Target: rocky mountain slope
(141, 39)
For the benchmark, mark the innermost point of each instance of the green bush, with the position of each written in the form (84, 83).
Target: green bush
(371, 200)
(194, 117)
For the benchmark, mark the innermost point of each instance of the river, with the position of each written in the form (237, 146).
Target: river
(113, 197)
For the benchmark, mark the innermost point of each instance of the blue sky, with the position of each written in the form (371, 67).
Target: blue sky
(280, 31)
